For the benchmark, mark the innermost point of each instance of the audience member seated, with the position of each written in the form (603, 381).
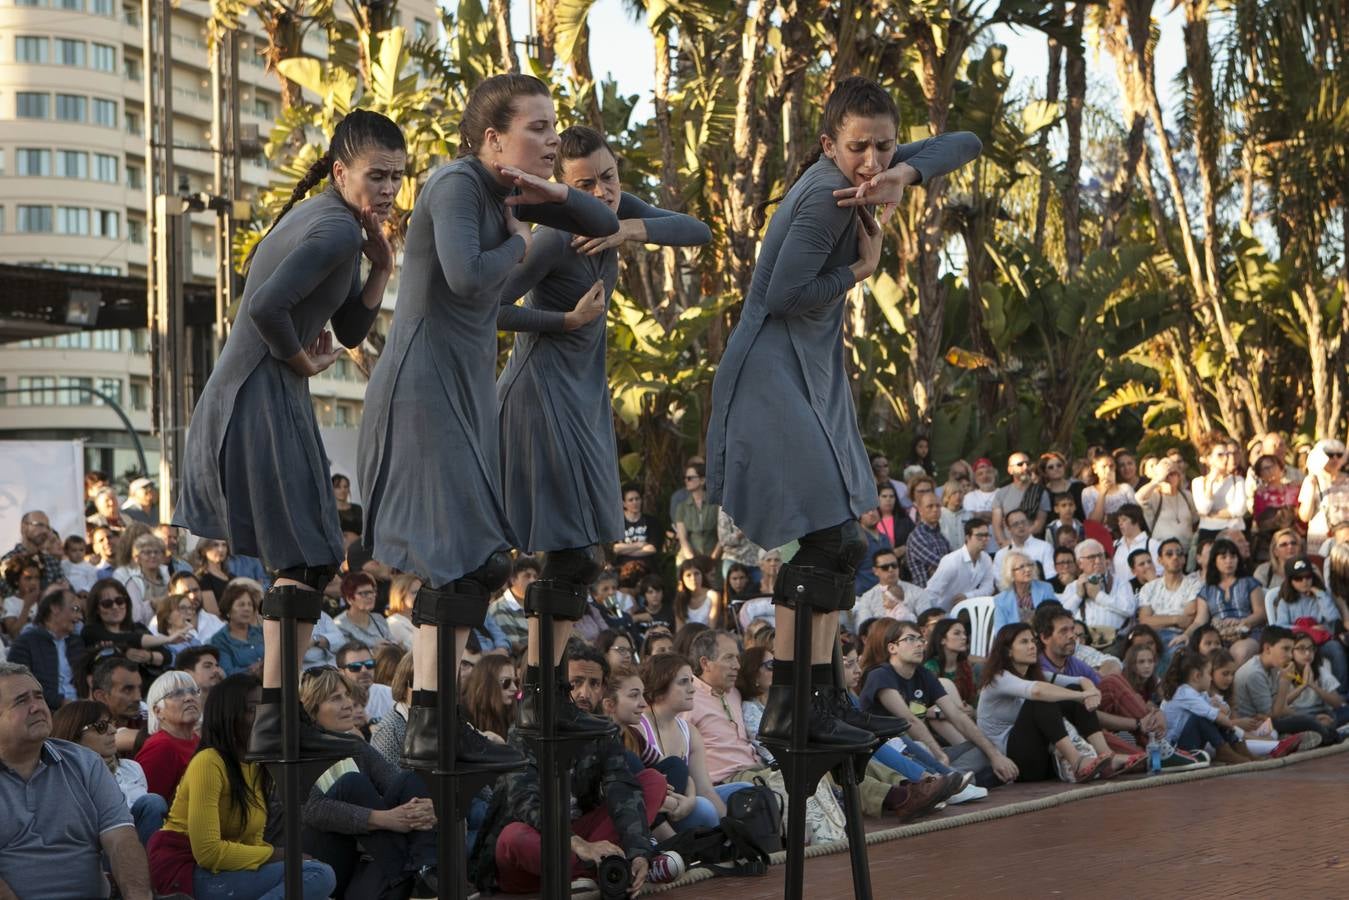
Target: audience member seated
(1065, 568)
(90, 724)
(1264, 683)
(1064, 506)
(1102, 500)
(51, 650)
(146, 576)
(1284, 546)
(80, 574)
(1023, 591)
(1022, 493)
(210, 563)
(617, 648)
(489, 696)
(1140, 670)
(367, 801)
(507, 612)
(203, 664)
(966, 571)
(947, 655)
(402, 592)
(116, 683)
(658, 640)
(110, 626)
(902, 687)
(890, 597)
(616, 808)
(1234, 602)
(387, 736)
(181, 610)
(174, 703)
(625, 704)
(1026, 718)
(694, 601)
(1023, 541)
(1302, 600)
(1314, 690)
(63, 810)
(951, 517)
(1169, 603)
(652, 609)
(212, 846)
(360, 622)
(1106, 608)
(927, 544)
(1133, 537)
(640, 532)
(865, 578)
(891, 521)
(1193, 722)
(240, 641)
(357, 665)
(23, 589)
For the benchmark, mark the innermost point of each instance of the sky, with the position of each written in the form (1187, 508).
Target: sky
(622, 49)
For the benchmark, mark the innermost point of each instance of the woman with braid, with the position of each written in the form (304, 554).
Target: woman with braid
(429, 452)
(559, 458)
(784, 456)
(255, 473)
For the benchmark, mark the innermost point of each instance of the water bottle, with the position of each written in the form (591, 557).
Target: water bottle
(1155, 757)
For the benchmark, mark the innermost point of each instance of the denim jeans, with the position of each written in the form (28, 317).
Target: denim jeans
(267, 882)
(148, 812)
(893, 755)
(704, 814)
(394, 854)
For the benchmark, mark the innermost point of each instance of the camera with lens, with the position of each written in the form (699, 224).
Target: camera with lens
(614, 875)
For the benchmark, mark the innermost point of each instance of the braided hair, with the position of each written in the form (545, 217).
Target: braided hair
(855, 96)
(360, 131)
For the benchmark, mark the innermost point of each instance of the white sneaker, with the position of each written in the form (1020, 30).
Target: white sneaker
(970, 792)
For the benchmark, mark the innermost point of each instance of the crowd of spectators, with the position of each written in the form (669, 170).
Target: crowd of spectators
(1131, 606)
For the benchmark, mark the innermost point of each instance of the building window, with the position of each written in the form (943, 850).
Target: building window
(75, 5)
(34, 162)
(2, 220)
(106, 223)
(135, 231)
(105, 168)
(72, 220)
(70, 52)
(133, 123)
(135, 177)
(35, 219)
(262, 108)
(106, 339)
(105, 58)
(30, 2)
(38, 390)
(107, 270)
(422, 29)
(72, 164)
(32, 105)
(140, 341)
(131, 68)
(31, 49)
(140, 393)
(102, 7)
(72, 107)
(110, 386)
(105, 113)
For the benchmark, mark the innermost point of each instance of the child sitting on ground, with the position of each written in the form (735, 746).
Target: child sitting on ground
(1140, 670)
(1192, 722)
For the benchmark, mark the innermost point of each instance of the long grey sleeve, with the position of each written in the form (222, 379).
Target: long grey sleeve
(663, 227)
(545, 254)
(458, 204)
(353, 319)
(579, 213)
(798, 284)
(939, 154)
(331, 244)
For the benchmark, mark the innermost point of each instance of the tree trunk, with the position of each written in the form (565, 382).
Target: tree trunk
(499, 12)
(1076, 84)
(1051, 96)
(545, 30)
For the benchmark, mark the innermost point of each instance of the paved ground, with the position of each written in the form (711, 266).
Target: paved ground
(1076, 850)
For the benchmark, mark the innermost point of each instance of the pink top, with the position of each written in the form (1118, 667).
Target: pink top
(722, 727)
(654, 751)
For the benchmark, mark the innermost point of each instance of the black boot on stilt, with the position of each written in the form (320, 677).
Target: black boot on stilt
(472, 749)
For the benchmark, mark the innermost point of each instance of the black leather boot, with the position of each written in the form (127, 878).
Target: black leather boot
(884, 727)
(569, 719)
(824, 728)
(421, 744)
(264, 743)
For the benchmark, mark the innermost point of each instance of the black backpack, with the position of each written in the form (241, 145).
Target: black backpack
(758, 809)
(724, 850)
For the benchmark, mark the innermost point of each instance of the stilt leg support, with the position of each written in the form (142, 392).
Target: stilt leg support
(803, 766)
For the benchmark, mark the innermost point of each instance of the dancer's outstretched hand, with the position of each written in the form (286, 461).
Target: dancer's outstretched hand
(533, 189)
(589, 308)
(376, 246)
(885, 190)
(628, 230)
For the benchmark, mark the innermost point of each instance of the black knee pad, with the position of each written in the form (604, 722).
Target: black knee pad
(462, 603)
(316, 577)
(577, 565)
(838, 548)
(821, 590)
(492, 574)
(292, 602)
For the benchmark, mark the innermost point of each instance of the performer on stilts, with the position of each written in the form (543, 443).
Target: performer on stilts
(429, 452)
(559, 457)
(255, 473)
(784, 456)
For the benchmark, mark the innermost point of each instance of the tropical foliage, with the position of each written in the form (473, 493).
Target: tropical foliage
(1096, 276)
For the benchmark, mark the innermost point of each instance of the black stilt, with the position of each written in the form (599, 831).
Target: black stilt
(803, 766)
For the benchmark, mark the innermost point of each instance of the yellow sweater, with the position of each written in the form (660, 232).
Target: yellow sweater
(202, 810)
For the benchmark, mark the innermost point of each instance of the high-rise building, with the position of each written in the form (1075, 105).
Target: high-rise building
(72, 197)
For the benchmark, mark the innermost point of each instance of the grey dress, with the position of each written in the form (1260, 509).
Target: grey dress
(559, 459)
(784, 456)
(254, 469)
(429, 453)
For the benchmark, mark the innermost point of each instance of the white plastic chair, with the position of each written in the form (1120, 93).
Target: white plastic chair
(980, 610)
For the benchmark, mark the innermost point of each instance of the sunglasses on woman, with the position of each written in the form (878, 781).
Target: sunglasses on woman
(110, 602)
(102, 726)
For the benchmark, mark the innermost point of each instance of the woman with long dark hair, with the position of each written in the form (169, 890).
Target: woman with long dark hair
(490, 694)
(211, 845)
(255, 472)
(782, 385)
(694, 600)
(90, 724)
(1232, 601)
(109, 624)
(430, 449)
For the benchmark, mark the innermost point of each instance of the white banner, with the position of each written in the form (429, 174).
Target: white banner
(41, 475)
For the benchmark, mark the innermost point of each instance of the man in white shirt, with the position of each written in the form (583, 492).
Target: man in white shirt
(1019, 533)
(1170, 603)
(890, 597)
(1091, 596)
(966, 571)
